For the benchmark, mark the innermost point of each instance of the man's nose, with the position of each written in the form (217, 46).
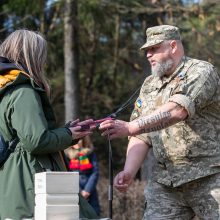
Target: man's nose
(149, 53)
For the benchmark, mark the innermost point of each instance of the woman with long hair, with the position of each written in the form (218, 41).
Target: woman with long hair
(26, 114)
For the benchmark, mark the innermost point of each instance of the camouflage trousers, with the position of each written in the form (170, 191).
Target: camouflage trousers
(199, 198)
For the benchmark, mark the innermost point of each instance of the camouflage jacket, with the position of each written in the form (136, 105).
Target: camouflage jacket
(189, 149)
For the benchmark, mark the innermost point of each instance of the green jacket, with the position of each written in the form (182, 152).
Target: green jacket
(26, 111)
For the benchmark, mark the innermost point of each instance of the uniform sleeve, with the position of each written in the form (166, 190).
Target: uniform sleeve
(197, 88)
(29, 121)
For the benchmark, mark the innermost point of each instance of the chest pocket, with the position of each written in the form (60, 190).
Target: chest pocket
(145, 102)
(150, 99)
(175, 87)
(178, 83)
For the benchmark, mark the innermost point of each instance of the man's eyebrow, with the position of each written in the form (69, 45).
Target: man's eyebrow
(153, 47)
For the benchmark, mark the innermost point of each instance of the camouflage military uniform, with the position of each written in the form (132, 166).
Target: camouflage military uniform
(201, 196)
(188, 150)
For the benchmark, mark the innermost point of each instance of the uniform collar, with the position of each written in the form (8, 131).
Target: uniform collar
(165, 80)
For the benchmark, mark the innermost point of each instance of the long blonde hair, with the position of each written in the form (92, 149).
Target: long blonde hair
(28, 50)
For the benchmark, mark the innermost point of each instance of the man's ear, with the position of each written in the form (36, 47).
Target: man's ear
(173, 45)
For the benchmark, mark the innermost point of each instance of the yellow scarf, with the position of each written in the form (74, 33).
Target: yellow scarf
(10, 76)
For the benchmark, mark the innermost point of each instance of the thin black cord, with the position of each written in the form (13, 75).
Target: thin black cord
(110, 187)
(124, 105)
(110, 163)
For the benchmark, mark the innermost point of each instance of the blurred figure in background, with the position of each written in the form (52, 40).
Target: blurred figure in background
(82, 158)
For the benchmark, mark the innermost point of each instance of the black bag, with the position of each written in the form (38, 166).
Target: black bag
(6, 148)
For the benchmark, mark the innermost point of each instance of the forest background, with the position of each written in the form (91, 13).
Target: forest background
(94, 62)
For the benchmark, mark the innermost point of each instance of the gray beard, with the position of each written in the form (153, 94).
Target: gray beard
(163, 68)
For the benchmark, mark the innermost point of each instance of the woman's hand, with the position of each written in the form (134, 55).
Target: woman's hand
(81, 129)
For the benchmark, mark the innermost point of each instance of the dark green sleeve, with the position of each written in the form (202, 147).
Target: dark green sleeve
(28, 119)
(86, 210)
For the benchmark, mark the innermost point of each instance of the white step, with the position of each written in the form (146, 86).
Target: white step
(56, 199)
(57, 183)
(57, 212)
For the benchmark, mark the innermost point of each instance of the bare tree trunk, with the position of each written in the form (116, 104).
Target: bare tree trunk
(42, 18)
(92, 64)
(71, 62)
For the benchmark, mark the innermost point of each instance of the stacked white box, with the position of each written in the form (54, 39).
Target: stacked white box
(57, 182)
(54, 199)
(56, 196)
(57, 212)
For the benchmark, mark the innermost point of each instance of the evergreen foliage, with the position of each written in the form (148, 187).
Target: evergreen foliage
(111, 32)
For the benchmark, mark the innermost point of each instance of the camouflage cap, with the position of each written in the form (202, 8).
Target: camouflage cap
(158, 34)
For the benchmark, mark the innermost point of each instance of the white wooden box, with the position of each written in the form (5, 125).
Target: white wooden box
(57, 212)
(56, 199)
(57, 182)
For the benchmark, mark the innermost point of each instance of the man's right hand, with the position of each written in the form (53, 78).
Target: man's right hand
(122, 181)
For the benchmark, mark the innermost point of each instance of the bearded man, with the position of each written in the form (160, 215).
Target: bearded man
(177, 113)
